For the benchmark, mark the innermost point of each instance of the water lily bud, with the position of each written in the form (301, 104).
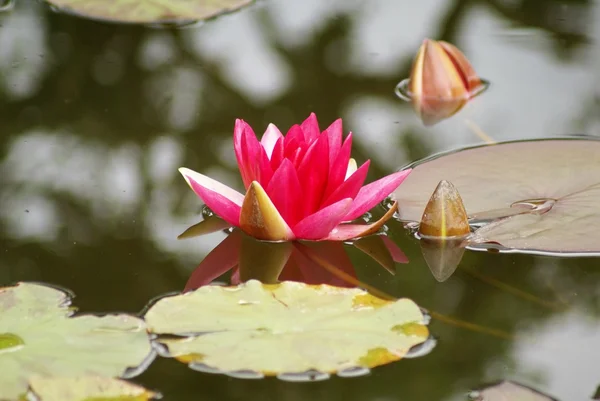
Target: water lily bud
(445, 214)
(441, 81)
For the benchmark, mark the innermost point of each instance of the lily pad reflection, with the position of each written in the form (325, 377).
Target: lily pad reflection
(508, 390)
(38, 337)
(87, 388)
(286, 329)
(536, 196)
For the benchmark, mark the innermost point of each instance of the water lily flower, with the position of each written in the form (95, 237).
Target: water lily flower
(303, 185)
(442, 81)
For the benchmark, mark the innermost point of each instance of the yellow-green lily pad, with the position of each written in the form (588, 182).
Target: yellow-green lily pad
(509, 391)
(149, 11)
(38, 337)
(286, 328)
(87, 388)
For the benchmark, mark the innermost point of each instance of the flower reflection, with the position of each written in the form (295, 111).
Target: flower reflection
(441, 82)
(323, 262)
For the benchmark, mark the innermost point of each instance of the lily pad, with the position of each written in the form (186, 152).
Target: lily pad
(507, 390)
(38, 337)
(149, 11)
(540, 195)
(87, 388)
(286, 328)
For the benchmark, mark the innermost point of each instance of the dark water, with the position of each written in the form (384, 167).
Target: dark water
(96, 118)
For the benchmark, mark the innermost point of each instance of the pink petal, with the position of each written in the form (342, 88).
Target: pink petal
(298, 156)
(310, 127)
(334, 134)
(257, 165)
(294, 139)
(277, 155)
(350, 187)
(338, 170)
(373, 193)
(345, 232)
(225, 256)
(270, 138)
(239, 131)
(395, 251)
(318, 225)
(285, 192)
(222, 200)
(313, 175)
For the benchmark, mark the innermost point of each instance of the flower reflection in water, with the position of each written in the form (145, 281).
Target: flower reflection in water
(320, 262)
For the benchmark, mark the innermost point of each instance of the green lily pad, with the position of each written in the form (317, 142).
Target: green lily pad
(540, 195)
(507, 390)
(149, 11)
(286, 328)
(38, 337)
(87, 388)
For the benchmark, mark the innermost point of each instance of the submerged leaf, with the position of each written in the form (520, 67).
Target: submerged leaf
(286, 328)
(40, 338)
(149, 11)
(87, 388)
(507, 390)
(555, 184)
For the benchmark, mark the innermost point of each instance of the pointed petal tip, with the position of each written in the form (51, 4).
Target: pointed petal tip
(184, 170)
(186, 173)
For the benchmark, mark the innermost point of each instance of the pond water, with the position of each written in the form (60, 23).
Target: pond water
(96, 118)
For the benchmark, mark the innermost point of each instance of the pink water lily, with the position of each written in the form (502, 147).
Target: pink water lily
(303, 185)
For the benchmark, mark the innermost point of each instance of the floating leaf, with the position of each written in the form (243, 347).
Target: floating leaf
(149, 11)
(87, 388)
(509, 391)
(550, 189)
(38, 337)
(286, 328)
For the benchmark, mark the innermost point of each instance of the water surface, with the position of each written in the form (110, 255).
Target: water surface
(96, 118)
